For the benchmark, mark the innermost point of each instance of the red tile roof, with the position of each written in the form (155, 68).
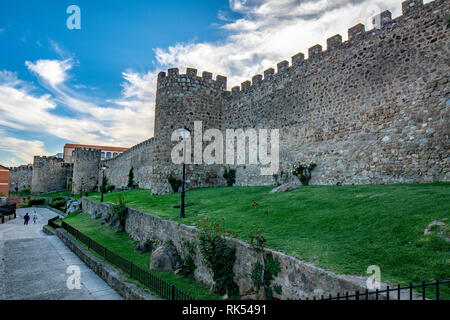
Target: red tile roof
(3, 168)
(69, 145)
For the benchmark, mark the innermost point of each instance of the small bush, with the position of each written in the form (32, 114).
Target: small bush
(303, 172)
(188, 265)
(218, 256)
(120, 210)
(130, 183)
(25, 192)
(36, 202)
(58, 204)
(109, 187)
(174, 183)
(230, 176)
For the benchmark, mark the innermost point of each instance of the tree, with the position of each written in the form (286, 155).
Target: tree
(104, 183)
(130, 178)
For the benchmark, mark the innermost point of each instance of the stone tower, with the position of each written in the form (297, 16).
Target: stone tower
(85, 170)
(181, 100)
(49, 174)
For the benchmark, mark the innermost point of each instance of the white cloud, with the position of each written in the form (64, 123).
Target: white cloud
(270, 31)
(52, 71)
(24, 150)
(125, 122)
(267, 32)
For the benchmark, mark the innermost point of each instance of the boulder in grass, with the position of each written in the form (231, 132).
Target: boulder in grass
(74, 206)
(143, 247)
(165, 258)
(285, 187)
(115, 224)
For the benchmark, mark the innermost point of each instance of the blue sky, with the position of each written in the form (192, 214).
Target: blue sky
(97, 85)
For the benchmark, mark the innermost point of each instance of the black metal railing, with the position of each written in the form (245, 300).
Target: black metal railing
(398, 292)
(6, 217)
(163, 288)
(52, 223)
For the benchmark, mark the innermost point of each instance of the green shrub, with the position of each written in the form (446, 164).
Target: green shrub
(130, 183)
(25, 192)
(229, 175)
(174, 183)
(58, 204)
(188, 264)
(109, 187)
(218, 256)
(104, 184)
(36, 202)
(303, 172)
(120, 210)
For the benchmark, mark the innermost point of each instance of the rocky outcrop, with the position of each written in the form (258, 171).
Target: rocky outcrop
(285, 187)
(165, 258)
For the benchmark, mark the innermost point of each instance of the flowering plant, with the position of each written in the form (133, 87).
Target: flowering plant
(303, 172)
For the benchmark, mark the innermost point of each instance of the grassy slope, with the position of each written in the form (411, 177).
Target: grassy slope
(66, 193)
(123, 245)
(340, 228)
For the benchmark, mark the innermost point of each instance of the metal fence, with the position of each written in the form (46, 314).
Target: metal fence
(163, 288)
(409, 292)
(52, 223)
(6, 217)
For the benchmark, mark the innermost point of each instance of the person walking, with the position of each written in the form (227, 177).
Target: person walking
(34, 216)
(26, 218)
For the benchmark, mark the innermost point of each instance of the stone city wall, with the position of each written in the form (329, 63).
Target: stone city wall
(20, 178)
(373, 109)
(139, 157)
(50, 174)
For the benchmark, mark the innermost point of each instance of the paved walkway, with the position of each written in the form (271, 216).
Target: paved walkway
(33, 265)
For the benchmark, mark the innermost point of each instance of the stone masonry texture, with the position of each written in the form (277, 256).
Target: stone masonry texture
(373, 109)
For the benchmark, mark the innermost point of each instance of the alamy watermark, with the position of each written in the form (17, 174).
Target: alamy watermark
(74, 20)
(261, 150)
(74, 280)
(374, 281)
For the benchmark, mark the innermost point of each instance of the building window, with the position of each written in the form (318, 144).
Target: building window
(115, 154)
(103, 156)
(108, 155)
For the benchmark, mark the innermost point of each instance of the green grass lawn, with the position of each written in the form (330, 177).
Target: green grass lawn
(339, 228)
(58, 194)
(123, 245)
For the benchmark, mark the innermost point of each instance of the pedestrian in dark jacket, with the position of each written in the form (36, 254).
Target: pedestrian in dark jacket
(26, 218)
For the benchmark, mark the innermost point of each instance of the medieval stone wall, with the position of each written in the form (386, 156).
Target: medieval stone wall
(139, 157)
(50, 174)
(374, 109)
(20, 178)
(86, 164)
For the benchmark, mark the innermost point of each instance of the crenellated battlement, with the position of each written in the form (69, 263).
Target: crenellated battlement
(45, 161)
(140, 146)
(357, 36)
(191, 79)
(86, 154)
(22, 168)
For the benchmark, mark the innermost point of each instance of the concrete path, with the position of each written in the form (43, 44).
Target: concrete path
(34, 265)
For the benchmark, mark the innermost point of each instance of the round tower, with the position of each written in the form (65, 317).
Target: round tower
(86, 164)
(181, 100)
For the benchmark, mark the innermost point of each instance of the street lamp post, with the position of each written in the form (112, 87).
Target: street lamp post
(103, 179)
(184, 133)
